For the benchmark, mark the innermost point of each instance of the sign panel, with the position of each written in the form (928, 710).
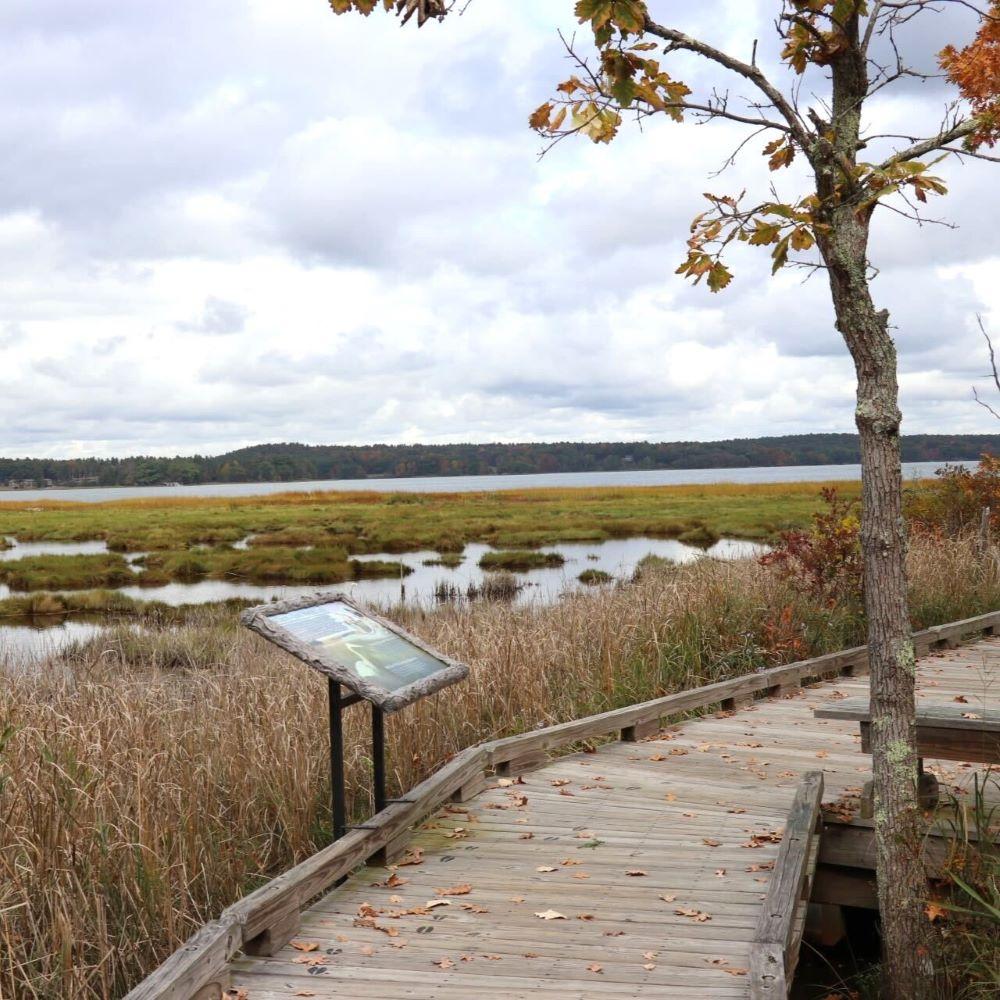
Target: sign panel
(373, 657)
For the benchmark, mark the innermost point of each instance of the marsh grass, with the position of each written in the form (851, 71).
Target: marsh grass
(445, 522)
(148, 779)
(520, 560)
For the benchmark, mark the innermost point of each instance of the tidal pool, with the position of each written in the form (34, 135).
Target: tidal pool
(616, 557)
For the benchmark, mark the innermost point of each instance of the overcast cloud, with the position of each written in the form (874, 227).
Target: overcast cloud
(231, 221)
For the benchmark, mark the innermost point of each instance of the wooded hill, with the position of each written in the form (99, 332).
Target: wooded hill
(300, 462)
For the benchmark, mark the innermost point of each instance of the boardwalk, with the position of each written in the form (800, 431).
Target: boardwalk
(638, 870)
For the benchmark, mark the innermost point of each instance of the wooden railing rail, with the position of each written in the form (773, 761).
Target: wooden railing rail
(775, 947)
(267, 919)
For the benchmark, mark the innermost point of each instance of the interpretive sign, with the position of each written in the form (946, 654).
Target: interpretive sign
(374, 658)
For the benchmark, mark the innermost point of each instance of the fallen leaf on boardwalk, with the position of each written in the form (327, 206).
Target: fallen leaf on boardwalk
(527, 836)
(717, 961)
(585, 916)
(367, 950)
(520, 801)
(735, 972)
(971, 715)
(962, 700)
(455, 890)
(678, 752)
(459, 833)
(569, 862)
(445, 963)
(532, 954)
(493, 958)
(467, 958)
(304, 993)
(614, 933)
(819, 753)
(689, 815)
(595, 967)
(550, 915)
(559, 782)
(764, 866)
(635, 873)
(658, 757)
(431, 903)
(736, 810)
(311, 960)
(546, 868)
(240, 994)
(304, 945)
(565, 791)
(649, 955)
(474, 908)
(693, 914)
(668, 898)
(414, 856)
(720, 872)
(507, 782)
(515, 899)
(670, 797)
(760, 839)
(649, 966)
(394, 881)
(580, 875)
(709, 842)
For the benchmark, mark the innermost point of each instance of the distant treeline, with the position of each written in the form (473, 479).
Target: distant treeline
(272, 463)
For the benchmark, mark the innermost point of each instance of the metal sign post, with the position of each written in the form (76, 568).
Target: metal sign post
(375, 659)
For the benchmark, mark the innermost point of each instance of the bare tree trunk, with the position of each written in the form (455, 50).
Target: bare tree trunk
(907, 964)
(902, 881)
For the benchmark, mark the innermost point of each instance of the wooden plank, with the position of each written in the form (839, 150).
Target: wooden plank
(771, 955)
(965, 716)
(199, 965)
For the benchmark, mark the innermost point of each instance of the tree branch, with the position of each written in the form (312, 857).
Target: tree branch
(939, 141)
(679, 40)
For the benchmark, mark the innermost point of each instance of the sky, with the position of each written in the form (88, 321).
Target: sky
(226, 222)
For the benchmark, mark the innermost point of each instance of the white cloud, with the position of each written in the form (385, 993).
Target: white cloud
(222, 223)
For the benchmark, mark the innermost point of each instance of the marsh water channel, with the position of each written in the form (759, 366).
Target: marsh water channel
(425, 584)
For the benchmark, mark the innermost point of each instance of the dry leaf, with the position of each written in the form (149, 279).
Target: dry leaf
(414, 856)
(635, 873)
(595, 967)
(455, 890)
(735, 972)
(546, 868)
(709, 842)
(550, 915)
(304, 945)
(668, 899)
(445, 963)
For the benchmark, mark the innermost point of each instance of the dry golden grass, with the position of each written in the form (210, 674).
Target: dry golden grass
(152, 778)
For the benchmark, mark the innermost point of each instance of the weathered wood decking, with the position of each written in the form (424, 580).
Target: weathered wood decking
(639, 870)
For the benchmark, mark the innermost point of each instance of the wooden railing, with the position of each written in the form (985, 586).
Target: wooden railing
(267, 919)
(775, 947)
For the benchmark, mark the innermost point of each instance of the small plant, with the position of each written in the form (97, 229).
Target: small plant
(966, 903)
(593, 577)
(826, 559)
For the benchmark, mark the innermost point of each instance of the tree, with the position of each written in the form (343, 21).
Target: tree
(847, 50)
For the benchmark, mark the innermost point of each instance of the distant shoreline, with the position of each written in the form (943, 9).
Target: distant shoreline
(740, 475)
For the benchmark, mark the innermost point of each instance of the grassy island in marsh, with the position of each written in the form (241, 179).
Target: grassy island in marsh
(312, 538)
